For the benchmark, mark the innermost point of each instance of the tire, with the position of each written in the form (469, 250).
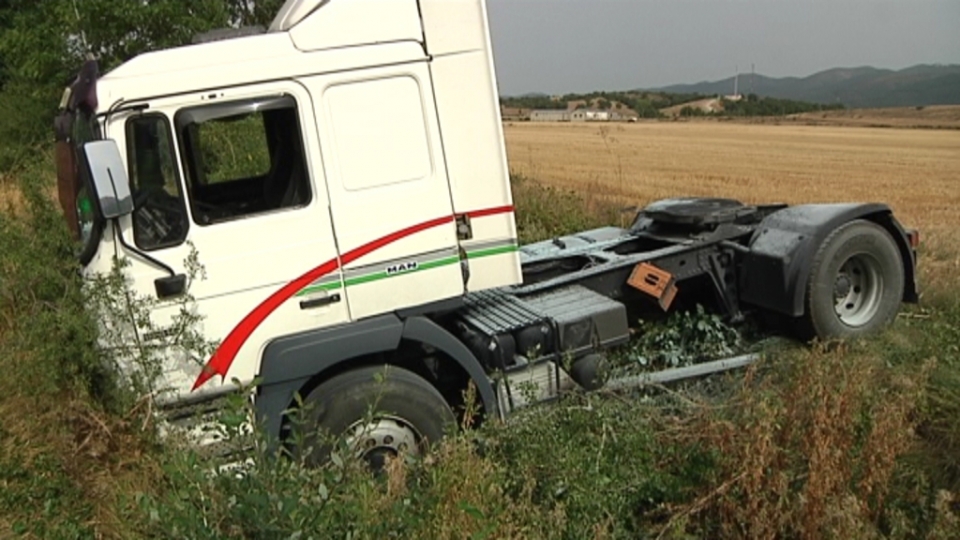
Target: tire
(856, 283)
(409, 414)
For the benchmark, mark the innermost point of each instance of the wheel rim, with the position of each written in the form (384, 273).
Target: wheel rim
(384, 438)
(858, 288)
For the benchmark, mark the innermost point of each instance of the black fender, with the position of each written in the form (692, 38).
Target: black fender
(423, 330)
(775, 271)
(290, 362)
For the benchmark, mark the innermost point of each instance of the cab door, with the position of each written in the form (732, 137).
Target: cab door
(389, 192)
(235, 175)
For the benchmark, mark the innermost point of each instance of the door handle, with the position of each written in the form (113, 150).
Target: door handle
(320, 302)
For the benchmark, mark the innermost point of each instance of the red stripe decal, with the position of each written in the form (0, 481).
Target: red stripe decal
(222, 358)
(490, 211)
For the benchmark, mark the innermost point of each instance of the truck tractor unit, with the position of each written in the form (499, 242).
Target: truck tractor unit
(342, 178)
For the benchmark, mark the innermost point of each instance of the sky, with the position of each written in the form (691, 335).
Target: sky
(560, 46)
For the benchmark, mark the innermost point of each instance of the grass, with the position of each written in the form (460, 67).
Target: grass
(11, 196)
(853, 441)
(66, 447)
(544, 211)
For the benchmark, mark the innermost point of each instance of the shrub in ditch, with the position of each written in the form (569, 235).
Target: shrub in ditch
(807, 451)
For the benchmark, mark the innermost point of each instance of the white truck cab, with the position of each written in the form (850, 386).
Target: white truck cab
(346, 163)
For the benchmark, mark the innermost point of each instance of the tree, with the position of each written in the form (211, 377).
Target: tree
(253, 12)
(43, 43)
(691, 111)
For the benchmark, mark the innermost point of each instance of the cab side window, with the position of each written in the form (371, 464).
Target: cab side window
(160, 215)
(243, 158)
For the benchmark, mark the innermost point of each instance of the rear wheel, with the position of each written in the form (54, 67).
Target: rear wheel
(856, 283)
(380, 412)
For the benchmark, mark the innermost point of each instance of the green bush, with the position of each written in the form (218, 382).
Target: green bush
(42, 299)
(685, 338)
(22, 131)
(55, 387)
(603, 461)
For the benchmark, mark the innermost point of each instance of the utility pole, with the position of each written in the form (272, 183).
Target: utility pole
(736, 81)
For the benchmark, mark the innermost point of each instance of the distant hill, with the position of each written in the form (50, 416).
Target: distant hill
(857, 87)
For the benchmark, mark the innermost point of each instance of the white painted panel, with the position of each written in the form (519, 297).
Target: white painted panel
(287, 319)
(220, 316)
(493, 232)
(493, 271)
(361, 109)
(347, 23)
(403, 291)
(468, 107)
(472, 134)
(201, 55)
(453, 25)
(412, 217)
(198, 69)
(476, 158)
(364, 216)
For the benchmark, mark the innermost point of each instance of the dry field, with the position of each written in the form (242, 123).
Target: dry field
(930, 117)
(917, 172)
(934, 117)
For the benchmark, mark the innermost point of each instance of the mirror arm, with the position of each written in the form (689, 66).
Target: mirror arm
(128, 247)
(166, 287)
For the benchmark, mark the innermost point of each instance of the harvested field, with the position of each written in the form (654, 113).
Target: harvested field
(917, 172)
(931, 117)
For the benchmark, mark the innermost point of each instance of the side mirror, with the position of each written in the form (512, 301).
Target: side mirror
(103, 163)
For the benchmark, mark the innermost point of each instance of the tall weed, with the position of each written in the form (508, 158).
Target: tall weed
(65, 446)
(544, 211)
(453, 493)
(42, 303)
(809, 450)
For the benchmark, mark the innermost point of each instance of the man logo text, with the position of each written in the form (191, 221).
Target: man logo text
(402, 267)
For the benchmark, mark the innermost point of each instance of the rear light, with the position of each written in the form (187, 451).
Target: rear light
(913, 235)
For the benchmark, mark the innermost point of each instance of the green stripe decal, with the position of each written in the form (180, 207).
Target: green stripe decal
(492, 251)
(420, 267)
(428, 265)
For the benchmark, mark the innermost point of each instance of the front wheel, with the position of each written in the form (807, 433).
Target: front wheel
(380, 412)
(856, 283)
